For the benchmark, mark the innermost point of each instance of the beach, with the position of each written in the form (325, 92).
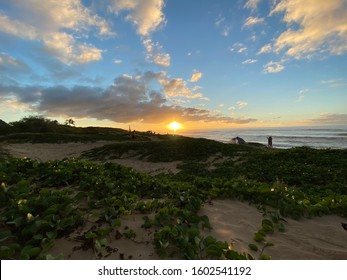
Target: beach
(232, 221)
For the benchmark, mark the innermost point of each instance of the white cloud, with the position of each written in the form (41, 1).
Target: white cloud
(51, 15)
(11, 64)
(226, 31)
(273, 67)
(219, 20)
(196, 76)
(251, 21)
(241, 50)
(302, 94)
(154, 53)
(146, 15)
(249, 61)
(242, 104)
(334, 83)
(313, 28)
(252, 4)
(17, 28)
(195, 88)
(64, 47)
(265, 49)
(54, 23)
(117, 61)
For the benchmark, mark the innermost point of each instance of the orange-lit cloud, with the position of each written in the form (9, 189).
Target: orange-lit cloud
(154, 53)
(196, 76)
(146, 15)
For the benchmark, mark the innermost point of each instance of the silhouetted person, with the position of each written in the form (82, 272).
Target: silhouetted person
(269, 142)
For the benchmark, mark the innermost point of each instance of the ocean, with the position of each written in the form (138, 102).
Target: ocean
(322, 137)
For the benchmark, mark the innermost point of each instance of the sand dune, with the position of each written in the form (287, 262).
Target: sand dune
(314, 239)
(232, 221)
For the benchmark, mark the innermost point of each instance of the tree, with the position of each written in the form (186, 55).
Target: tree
(70, 122)
(34, 124)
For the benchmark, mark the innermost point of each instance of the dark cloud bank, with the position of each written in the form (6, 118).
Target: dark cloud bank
(128, 99)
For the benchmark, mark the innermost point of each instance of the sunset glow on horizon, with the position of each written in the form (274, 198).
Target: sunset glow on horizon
(207, 64)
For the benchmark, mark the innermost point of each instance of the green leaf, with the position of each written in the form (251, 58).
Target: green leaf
(253, 247)
(51, 234)
(265, 257)
(6, 252)
(30, 252)
(4, 235)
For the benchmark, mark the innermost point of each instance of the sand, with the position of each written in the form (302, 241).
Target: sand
(319, 238)
(232, 221)
(47, 151)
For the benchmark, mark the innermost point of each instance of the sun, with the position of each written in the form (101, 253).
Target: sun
(175, 126)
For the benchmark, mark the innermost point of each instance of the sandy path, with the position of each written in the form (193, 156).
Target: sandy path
(317, 238)
(47, 151)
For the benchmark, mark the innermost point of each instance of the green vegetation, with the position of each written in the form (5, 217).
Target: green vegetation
(37, 129)
(43, 201)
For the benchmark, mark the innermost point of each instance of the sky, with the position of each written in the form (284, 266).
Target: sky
(146, 63)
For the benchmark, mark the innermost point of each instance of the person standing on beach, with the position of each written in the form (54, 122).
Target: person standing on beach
(269, 142)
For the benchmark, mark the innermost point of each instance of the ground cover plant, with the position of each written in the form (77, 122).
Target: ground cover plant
(41, 202)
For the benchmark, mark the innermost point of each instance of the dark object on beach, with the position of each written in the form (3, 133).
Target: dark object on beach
(239, 140)
(269, 142)
(344, 225)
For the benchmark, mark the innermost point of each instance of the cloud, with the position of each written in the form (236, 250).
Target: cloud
(128, 99)
(334, 83)
(65, 48)
(249, 61)
(219, 20)
(241, 50)
(117, 61)
(226, 31)
(177, 87)
(265, 49)
(251, 21)
(302, 94)
(9, 64)
(196, 76)
(313, 28)
(330, 119)
(155, 54)
(55, 23)
(146, 15)
(252, 5)
(50, 16)
(17, 28)
(242, 104)
(273, 67)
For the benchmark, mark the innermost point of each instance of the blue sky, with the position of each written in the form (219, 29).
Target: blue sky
(222, 63)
